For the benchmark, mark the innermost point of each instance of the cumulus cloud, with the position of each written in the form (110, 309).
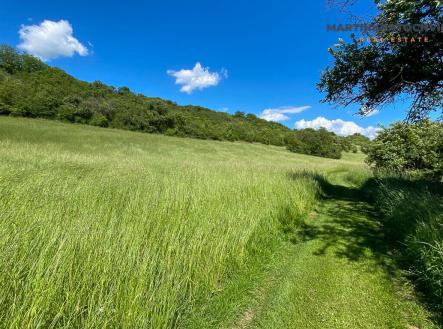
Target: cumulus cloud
(270, 115)
(50, 40)
(281, 113)
(198, 78)
(371, 113)
(338, 126)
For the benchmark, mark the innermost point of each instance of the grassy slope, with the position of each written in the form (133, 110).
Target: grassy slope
(338, 275)
(101, 227)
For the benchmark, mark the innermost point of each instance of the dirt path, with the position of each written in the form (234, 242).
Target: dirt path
(338, 276)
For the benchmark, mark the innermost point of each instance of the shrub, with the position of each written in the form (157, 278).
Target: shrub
(66, 112)
(16, 111)
(415, 149)
(99, 120)
(10, 60)
(5, 108)
(293, 144)
(315, 142)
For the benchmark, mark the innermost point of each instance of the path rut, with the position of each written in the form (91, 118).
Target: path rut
(339, 274)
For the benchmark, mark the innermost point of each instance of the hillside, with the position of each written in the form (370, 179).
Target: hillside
(111, 228)
(30, 88)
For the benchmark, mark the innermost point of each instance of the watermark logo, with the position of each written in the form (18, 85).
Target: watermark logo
(394, 33)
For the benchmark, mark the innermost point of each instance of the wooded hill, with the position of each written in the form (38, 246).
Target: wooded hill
(31, 88)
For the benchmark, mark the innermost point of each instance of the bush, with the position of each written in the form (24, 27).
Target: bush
(315, 142)
(5, 108)
(16, 112)
(99, 120)
(66, 112)
(295, 145)
(414, 149)
(10, 60)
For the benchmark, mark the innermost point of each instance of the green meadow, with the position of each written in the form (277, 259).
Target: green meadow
(103, 228)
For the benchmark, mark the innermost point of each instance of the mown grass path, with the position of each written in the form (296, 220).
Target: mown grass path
(337, 275)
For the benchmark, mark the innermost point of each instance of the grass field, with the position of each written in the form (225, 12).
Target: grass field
(108, 228)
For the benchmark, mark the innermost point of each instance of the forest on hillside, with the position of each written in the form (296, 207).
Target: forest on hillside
(31, 88)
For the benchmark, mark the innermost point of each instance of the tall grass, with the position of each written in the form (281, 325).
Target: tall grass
(412, 216)
(110, 228)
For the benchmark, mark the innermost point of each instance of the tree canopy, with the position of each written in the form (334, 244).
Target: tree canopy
(30, 88)
(316, 142)
(414, 149)
(372, 74)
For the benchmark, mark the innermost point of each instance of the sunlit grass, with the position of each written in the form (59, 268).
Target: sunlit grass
(112, 228)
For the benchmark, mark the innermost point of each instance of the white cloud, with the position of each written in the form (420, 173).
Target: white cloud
(279, 113)
(338, 126)
(270, 115)
(371, 113)
(197, 78)
(50, 40)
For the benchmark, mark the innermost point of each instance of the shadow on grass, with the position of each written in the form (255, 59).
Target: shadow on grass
(373, 224)
(348, 228)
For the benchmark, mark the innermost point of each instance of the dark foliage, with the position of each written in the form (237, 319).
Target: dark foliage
(316, 142)
(373, 74)
(408, 217)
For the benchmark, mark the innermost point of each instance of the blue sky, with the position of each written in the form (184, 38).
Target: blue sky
(262, 54)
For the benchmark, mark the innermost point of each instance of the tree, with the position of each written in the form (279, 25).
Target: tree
(239, 114)
(415, 149)
(376, 73)
(358, 141)
(315, 142)
(29, 87)
(10, 60)
(31, 63)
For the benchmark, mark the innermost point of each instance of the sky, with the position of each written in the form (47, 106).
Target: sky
(261, 57)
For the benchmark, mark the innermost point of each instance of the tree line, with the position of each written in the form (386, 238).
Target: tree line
(31, 88)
